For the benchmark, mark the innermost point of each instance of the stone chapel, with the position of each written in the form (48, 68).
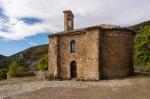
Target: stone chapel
(90, 53)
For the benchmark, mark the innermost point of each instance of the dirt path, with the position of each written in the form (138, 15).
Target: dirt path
(137, 87)
(17, 80)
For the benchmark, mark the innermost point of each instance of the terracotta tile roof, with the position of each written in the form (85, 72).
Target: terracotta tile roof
(102, 26)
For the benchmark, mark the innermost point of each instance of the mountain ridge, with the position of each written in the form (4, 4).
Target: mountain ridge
(137, 27)
(31, 55)
(2, 57)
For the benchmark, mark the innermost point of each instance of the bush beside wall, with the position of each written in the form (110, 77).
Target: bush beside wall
(3, 74)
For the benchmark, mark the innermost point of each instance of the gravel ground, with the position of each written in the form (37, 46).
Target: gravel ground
(22, 88)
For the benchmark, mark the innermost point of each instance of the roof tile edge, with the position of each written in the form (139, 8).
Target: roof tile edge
(95, 27)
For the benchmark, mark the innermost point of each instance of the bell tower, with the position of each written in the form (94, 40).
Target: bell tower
(68, 20)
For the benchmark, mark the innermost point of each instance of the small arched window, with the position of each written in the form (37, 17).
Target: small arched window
(73, 46)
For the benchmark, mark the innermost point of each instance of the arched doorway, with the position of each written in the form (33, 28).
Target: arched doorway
(73, 69)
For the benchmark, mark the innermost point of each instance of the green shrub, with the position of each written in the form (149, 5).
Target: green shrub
(43, 63)
(22, 62)
(14, 68)
(142, 45)
(3, 74)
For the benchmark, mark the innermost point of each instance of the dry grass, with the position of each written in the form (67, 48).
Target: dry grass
(17, 80)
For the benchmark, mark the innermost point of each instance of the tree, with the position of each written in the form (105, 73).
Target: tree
(3, 74)
(14, 68)
(22, 61)
(142, 45)
(43, 63)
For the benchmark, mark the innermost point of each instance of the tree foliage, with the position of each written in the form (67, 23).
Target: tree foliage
(142, 45)
(43, 63)
(22, 63)
(14, 68)
(3, 74)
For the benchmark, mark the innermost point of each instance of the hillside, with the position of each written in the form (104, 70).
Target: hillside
(2, 57)
(30, 55)
(137, 26)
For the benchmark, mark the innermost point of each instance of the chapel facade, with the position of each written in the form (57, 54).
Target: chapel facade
(90, 53)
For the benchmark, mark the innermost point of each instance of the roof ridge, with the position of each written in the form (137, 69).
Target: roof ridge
(101, 26)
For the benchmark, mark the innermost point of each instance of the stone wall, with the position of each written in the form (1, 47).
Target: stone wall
(41, 75)
(53, 58)
(117, 54)
(66, 57)
(100, 54)
(91, 69)
(86, 56)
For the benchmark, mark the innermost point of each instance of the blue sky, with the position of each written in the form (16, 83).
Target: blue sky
(11, 47)
(26, 23)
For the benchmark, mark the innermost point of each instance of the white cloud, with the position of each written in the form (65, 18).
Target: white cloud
(18, 29)
(87, 12)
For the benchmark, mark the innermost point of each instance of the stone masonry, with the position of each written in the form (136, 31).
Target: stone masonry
(100, 52)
